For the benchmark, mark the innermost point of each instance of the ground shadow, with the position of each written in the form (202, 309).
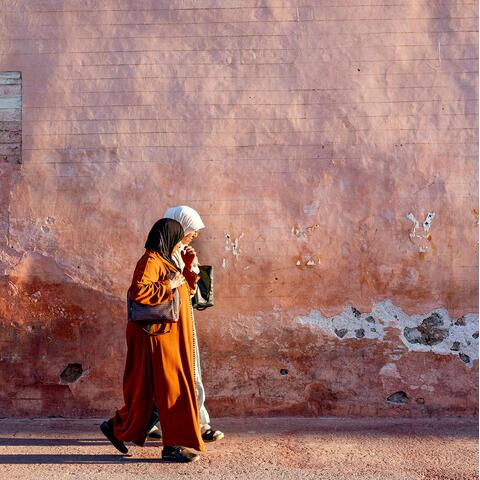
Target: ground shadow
(31, 459)
(59, 442)
(51, 442)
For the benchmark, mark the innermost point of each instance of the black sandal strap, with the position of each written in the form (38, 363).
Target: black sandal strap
(208, 434)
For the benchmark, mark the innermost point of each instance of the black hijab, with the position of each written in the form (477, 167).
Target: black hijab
(163, 237)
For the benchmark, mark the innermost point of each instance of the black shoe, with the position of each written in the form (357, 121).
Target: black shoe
(179, 455)
(107, 430)
(211, 435)
(155, 435)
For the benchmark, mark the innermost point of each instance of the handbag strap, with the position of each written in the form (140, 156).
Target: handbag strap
(157, 334)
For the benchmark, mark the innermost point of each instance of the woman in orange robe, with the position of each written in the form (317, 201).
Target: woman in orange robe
(160, 365)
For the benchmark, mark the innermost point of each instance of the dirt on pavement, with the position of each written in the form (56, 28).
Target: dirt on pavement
(253, 448)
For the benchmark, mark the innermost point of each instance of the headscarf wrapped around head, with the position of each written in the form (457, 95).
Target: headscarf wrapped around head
(188, 218)
(163, 237)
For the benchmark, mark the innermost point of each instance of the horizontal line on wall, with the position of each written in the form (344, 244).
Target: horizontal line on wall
(139, 79)
(306, 145)
(227, 49)
(233, 36)
(350, 62)
(417, 74)
(297, 21)
(36, 135)
(225, 77)
(464, 100)
(240, 160)
(200, 91)
(409, 60)
(253, 7)
(203, 117)
(52, 66)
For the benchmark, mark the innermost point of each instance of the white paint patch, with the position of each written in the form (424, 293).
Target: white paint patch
(302, 232)
(460, 334)
(417, 237)
(416, 225)
(388, 215)
(312, 208)
(390, 370)
(233, 246)
(308, 261)
(428, 221)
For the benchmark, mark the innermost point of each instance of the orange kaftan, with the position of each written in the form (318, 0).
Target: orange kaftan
(160, 369)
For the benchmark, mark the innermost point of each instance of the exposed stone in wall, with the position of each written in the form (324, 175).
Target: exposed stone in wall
(71, 373)
(432, 332)
(398, 398)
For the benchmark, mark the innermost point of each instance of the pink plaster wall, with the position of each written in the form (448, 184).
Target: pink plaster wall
(304, 132)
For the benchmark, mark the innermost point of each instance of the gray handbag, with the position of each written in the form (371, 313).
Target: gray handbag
(167, 312)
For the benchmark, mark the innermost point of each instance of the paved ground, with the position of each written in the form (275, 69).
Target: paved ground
(263, 449)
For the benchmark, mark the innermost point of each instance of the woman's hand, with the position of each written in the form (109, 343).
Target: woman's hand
(189, 255)
(177, 280)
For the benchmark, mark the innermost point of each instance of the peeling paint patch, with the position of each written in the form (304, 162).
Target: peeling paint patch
(475, 214)
(390, 370)
(308, 261)
(312, 208)
(233, 245)
(416, 225)
(303, 232)
(428, 221)
(387, 215)
(433, 332)
(418, 238)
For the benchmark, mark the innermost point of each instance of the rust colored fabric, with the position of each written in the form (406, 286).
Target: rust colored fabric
(160, 369)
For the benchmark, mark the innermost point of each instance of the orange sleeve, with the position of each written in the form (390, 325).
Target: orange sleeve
(150, 285)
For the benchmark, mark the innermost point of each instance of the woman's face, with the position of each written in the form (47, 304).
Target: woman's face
(189, 237)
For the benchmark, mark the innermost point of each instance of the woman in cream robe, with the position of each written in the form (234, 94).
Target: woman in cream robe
(192, 223)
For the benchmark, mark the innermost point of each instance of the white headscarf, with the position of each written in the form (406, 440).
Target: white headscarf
(187, 217)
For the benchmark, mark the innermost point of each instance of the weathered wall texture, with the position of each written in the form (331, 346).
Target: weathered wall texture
(331, 147)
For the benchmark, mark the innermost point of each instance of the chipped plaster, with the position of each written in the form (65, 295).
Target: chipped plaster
(233, 245)
(421, 239)
(433, 332)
